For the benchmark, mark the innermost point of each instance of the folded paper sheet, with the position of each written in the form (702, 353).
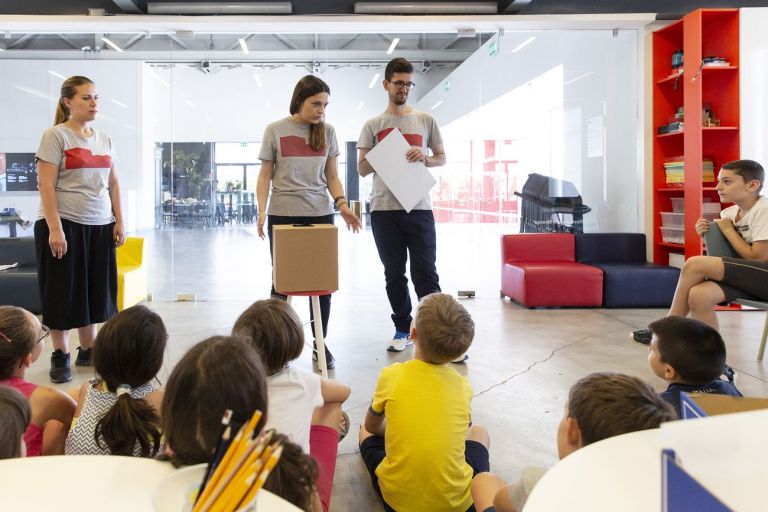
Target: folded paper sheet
(408, 181)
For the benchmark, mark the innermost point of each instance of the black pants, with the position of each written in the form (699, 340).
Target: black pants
(325, 300)
(400, 236)
(81, 288)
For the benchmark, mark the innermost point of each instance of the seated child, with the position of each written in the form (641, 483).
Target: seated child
(118, 412)
(217, 374)
(14, 419)
(599, 406)
(223, 373)
(304, 406)
(706, 281)
(690, 355)
(417, 442)
(21, 343)
(294, 478)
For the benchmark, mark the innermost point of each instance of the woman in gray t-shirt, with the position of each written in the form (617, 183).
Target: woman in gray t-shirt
(78, 227)
(299, 160)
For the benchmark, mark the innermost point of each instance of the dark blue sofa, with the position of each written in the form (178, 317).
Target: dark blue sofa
(19, 286)
(629, 281)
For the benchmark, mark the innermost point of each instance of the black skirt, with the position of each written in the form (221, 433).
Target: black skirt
(81, 288)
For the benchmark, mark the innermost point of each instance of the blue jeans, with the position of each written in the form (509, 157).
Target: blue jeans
(401, 236)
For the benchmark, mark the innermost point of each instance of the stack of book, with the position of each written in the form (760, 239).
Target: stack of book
(674, 169)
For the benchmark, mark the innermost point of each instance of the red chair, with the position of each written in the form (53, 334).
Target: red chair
(540, 269)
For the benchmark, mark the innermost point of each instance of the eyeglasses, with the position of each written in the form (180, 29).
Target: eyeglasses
(46, 333)
(403, 85)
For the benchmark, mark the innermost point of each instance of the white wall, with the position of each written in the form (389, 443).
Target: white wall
(484, 85)
(229, 106)
(29, 96)
(753, 68)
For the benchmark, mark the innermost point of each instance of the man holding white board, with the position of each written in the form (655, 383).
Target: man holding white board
(403, 232)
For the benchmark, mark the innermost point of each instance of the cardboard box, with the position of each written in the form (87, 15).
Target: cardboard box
(698, 406)
(305, 258)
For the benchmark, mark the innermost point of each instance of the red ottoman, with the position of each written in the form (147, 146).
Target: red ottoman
(539, 269)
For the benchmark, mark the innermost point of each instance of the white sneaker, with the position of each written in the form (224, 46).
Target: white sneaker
(399, 342)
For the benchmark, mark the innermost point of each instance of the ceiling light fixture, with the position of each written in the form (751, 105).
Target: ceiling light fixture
(191, 105)
(112, 45)
(585, 75)
(257, 78)
(57, 75)
(360, 105)
(374, 80)
(120, 103)
(426, 8)
(267, 104)
(393, 45)
(244, 46)
(436, 105)
(523, 44)
(219, 8)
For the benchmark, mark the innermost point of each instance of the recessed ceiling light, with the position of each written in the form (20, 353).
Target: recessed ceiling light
(436, 105)
(257, 78)
(244, 46)
(120, 103)
(393, 45)
(57, 75)
(523, 44)
(112, 45)
(374, 80)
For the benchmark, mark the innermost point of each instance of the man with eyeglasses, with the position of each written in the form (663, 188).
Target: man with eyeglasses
(400, 234)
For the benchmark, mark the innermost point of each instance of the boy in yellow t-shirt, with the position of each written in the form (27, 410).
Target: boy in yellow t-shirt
(417, 441)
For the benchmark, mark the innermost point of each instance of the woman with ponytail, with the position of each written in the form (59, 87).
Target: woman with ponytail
(299, 159)
(118, 412)
(79, 225)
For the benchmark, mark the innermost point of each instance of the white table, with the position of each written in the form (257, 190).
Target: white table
(621, 473)
(92, 483)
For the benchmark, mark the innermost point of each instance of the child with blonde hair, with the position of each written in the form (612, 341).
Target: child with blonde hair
(21, 343)
(418, 442)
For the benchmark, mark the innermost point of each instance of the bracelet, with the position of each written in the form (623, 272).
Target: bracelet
(337, 198)
(341, 203)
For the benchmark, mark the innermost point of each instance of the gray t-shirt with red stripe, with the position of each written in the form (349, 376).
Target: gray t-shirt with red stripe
(299, 185)
(419, 129)
(82, 183)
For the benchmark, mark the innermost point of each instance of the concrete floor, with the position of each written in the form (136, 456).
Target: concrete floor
(521, 364)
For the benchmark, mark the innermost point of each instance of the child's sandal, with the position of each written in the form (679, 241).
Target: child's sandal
(343, 426)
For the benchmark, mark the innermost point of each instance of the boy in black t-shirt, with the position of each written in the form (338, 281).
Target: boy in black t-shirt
(690, 356)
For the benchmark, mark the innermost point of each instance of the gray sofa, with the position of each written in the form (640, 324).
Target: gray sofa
(19, 286)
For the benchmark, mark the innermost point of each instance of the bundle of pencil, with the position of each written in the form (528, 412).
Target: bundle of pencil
(240, 473)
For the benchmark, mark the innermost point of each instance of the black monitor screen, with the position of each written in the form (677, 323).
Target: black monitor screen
(20, 172)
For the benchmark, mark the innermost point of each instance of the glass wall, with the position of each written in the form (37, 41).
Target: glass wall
(561, 104)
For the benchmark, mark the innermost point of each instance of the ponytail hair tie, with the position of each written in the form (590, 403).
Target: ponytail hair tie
(123, 389)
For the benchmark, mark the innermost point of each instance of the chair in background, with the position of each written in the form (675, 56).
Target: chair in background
(132, 277)
(718, 245)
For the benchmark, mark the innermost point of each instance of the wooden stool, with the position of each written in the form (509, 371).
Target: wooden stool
(318, 324)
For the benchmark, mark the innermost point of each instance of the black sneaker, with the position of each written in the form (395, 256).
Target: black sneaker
(730, 374)
(84, 357)
(60, 370)
(642, 336)
(330, 362)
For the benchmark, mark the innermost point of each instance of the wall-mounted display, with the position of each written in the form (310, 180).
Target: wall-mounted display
(20, 172)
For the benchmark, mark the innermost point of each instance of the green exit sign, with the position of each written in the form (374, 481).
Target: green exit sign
(493, 48)
(446, 85)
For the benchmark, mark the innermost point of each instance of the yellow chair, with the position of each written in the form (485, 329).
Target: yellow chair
(131, 273)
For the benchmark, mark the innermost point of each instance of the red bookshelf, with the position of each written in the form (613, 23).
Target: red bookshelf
(702, 33)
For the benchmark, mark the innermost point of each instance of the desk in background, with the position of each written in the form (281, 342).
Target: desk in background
(102, 482)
